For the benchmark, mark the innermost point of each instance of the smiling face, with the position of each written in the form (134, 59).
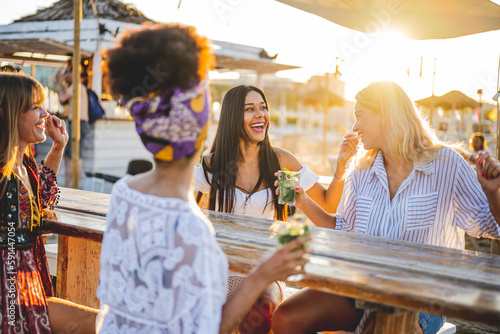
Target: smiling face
(31, 125)
(368, 126)
(256, 117)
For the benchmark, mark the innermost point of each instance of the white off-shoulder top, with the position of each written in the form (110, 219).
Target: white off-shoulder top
(258, 204)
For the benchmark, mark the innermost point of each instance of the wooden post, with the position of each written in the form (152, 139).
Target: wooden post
(75, 126)
(404, 322)
(391, 320)
(78, 270)
(260, 81)
(495, 247)
(62, 266)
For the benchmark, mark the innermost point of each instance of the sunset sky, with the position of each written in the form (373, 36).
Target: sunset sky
(302, 39)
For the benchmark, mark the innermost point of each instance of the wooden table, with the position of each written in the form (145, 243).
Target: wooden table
(395, 277)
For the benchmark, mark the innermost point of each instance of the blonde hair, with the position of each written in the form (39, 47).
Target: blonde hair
(409, 134)
(18, 92)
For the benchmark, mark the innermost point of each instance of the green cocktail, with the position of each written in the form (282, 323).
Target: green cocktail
(287, 182)
(290, 232)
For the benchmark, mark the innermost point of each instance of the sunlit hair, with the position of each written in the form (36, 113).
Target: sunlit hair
(18, 93)
(225, 154)
(157, 58)
(10, 69)
(480, 135)
(408, 133)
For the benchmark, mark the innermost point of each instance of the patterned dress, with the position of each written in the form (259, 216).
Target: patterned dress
(24, 274)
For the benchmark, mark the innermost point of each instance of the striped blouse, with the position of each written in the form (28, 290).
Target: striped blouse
(436, 204)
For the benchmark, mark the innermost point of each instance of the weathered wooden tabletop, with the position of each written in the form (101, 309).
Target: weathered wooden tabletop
(403, 275)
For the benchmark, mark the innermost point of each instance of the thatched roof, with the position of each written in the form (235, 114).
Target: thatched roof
(106, 9)
(322, 95)
(453, 99)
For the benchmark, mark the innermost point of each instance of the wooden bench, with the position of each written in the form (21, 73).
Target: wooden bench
(396, 278)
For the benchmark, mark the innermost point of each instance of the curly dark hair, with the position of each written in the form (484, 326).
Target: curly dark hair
(156, 59)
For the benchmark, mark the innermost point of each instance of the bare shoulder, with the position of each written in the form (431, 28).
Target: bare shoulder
(287, 159)
(207, 158)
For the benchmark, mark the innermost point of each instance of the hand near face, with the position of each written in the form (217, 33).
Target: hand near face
(348, 148)
(488, 172)
(56, 129)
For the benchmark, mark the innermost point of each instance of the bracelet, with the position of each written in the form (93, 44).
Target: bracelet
(335, 176)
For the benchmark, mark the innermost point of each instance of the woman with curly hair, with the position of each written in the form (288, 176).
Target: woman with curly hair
(27, 304)
(162, 270)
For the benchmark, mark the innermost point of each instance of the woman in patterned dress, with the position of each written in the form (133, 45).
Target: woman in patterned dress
(27, 304)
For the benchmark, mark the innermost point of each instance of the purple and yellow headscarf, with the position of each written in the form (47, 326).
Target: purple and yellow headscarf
(174, 124)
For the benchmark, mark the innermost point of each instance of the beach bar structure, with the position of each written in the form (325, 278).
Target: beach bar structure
(46, 39)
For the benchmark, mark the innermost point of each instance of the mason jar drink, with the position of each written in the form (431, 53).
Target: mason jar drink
(287, 182)
(289, 232)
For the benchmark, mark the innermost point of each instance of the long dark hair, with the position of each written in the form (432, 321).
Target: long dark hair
(226, 151)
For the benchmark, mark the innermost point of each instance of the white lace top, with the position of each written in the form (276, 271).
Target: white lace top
(162, 270)
(258, 204)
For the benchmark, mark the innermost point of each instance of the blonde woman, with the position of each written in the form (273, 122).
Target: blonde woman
(404, 184)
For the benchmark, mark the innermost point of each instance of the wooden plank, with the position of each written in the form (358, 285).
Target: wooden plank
(495, 247)
(62, 266)
(84, 201)
(468, 267)
(82, 273)
(388, 286)
(75, 224)
(402, 323)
